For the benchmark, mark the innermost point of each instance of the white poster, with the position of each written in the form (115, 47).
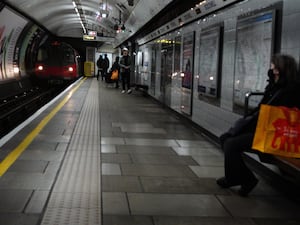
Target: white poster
(254, 49)
(209, 62)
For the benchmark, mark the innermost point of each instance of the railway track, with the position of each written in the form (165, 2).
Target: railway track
(15, 109)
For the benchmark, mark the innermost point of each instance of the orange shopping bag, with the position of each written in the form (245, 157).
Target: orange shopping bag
(114, 75)
(278, 131)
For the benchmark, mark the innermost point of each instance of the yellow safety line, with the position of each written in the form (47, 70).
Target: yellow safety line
(13, 156)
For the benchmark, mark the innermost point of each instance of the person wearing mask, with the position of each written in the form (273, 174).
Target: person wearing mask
(125, 63)
(282, 90)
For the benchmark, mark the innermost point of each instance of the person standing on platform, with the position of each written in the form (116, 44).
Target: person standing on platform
(99, 65)
(283, 90)
(116, 66)
(105, 66)
(125, 63)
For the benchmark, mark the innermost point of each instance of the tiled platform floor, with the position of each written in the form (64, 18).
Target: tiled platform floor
(153, 169)
(157, 170)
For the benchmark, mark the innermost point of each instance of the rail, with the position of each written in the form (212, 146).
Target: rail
(16, 109)
(247, 97)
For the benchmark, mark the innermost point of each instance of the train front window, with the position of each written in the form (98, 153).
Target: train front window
(56, 55)
(42, 55)
(68, 57)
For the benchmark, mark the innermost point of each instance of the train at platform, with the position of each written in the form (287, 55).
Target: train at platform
(57, 60)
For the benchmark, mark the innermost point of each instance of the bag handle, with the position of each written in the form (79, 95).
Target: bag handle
(249, 94)
(274, 96)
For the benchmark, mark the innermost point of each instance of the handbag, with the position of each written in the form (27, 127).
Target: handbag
(114, 75)
(278, 131)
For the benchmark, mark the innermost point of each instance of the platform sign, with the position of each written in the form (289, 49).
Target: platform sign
(88, 38)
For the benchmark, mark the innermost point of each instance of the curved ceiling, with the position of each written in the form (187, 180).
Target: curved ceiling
(60, 17)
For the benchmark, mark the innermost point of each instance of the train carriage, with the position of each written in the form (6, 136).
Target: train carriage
(57, 61)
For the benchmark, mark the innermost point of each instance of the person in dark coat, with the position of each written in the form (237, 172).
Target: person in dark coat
(105, 66)
(125, 63)
(283, 90)
(100, 66)
(116, 66)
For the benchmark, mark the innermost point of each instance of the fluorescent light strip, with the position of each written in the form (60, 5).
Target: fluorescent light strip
(78, 14)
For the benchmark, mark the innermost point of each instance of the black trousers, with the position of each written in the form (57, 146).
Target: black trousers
(236, 171)
(103, 74)
(125, 76)
(100, 72)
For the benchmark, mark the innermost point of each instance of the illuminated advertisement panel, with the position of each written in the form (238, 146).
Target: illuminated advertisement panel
(187, 72)
(28, 42)
(209, 62)
(253, 53)
(9, 34)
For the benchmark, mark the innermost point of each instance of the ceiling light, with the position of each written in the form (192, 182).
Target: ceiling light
(104, 13)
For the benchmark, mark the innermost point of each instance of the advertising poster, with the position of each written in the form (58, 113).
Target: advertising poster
(153, 67)
(29, 39)
(187, 71)
(188, 47)
(209, 62)
(166, 71)
(9, 34)
(253, 53)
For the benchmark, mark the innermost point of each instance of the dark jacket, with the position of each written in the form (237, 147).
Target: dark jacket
(285, 95)
(115, 66)
(100, 63)
(124, 63)
(105, 63)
